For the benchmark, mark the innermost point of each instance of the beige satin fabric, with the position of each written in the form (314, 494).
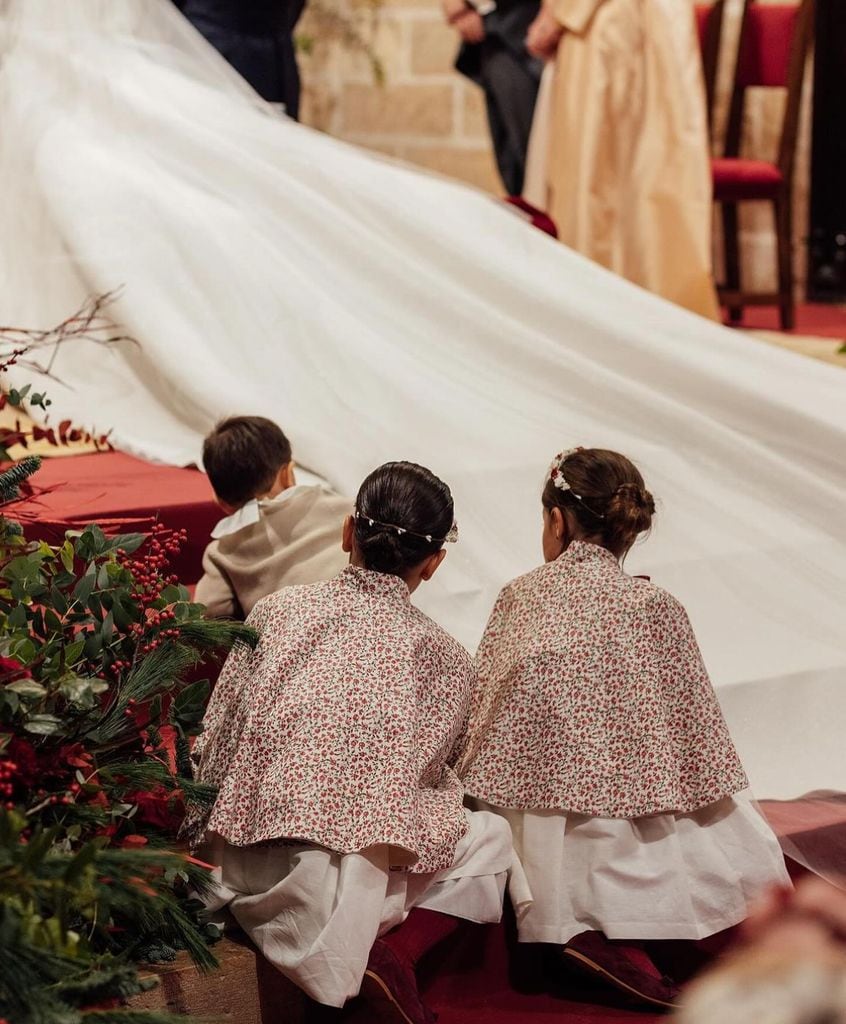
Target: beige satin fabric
(625, 172)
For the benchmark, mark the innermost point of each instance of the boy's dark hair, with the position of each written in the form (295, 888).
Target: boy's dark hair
(406, 503)
(606, 495)
(242, 457)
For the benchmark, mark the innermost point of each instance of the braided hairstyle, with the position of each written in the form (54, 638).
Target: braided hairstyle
(398, 507)
(606, 496)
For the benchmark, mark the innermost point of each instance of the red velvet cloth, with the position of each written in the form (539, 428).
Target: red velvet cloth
(768, 39)
(123, 495)
(419, 933)
(736, 178)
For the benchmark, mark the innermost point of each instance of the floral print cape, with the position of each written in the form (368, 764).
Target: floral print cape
(592, 698)
(337, 730)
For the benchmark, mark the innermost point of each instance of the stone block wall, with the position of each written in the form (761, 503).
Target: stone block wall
(427, 114)
(423, 111)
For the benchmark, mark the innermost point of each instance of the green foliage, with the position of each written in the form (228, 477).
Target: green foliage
(96, 715)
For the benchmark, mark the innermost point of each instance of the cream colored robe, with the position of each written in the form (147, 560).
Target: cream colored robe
(619, 152)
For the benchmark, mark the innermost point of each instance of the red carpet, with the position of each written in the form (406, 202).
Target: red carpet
(822, 321)
(475, 981)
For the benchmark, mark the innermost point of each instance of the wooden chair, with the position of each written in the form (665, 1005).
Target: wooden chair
(709, 24)
(775, 40)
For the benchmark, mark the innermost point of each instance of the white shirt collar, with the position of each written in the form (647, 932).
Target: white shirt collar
(249, 514)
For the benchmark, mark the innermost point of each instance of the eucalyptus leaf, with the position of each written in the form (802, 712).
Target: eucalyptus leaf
(44, 725)
(81, 692)
(28, 688)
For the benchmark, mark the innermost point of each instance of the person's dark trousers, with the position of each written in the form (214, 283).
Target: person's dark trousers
(256, 37)
(510, 77)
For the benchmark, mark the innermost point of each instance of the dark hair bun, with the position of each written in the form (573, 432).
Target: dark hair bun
(398, 506)
(629, 513)
(606, 495)
(382, 549)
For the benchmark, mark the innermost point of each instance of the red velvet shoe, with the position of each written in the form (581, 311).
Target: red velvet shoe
(623, 965)
(390, 988)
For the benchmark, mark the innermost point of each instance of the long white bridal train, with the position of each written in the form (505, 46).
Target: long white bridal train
(377, 312)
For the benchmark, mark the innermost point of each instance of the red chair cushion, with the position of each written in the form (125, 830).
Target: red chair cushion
(736, 179)
(767, 42)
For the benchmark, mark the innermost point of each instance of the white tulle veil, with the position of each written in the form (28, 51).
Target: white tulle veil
(378, 313)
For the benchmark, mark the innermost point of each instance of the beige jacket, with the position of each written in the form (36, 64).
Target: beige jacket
(297, 540)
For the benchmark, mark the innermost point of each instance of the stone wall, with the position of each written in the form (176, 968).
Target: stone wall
(424, 112)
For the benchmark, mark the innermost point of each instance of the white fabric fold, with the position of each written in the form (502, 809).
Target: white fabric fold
(667, 876)
(315, 914)
(378, 312)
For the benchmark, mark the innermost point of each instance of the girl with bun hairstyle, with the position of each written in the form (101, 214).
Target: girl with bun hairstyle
(338, 816)
(596, 733)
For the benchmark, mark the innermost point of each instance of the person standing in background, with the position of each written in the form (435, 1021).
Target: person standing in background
(619, 155)
(494, 56)
(256, 37)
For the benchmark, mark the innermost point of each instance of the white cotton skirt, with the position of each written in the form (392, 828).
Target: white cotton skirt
(315, 914)
(668, 876)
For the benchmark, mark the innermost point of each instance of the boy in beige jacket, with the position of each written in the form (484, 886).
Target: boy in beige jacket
(276, 532)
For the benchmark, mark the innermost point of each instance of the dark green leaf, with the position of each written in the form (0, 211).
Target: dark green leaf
(82, 591)
(53, 621)
(17, 617)
(58, 599)
(73, 651)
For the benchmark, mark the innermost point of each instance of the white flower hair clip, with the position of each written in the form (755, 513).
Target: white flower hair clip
(556, 474)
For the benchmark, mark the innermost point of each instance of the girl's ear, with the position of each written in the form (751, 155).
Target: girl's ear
(430, 566)
(347, 534)
(559, 523)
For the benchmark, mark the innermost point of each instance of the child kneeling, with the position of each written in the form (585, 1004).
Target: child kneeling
(277, 533)
(337, 811)
(597, 734)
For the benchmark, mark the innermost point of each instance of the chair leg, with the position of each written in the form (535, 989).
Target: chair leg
(783, 209)
(731, 245)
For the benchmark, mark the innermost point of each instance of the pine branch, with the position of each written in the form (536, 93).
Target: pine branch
(217, 635)
(12, 478)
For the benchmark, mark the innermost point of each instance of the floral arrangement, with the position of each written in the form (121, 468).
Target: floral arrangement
(101, 651)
